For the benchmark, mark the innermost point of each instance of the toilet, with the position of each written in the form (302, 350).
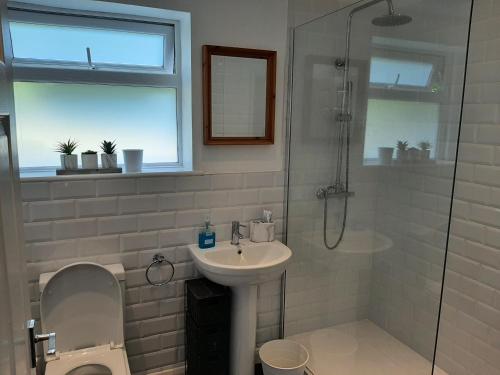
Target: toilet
(83, 304)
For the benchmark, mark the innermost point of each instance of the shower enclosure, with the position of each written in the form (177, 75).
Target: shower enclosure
(375, 112)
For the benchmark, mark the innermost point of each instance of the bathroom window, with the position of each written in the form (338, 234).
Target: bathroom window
(95, 76)
(404, 100)
(68, 41)
(400, 73)
(398, 69)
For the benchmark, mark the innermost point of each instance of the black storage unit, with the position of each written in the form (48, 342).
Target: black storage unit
(208, 322)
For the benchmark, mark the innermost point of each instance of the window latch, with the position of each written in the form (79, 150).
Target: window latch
(89, 59)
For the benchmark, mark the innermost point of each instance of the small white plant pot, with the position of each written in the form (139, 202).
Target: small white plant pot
(425, 155)
(89, 161)
(402, 156)
(133, 160)
(385, 155)
(109, 161)
(69, 161)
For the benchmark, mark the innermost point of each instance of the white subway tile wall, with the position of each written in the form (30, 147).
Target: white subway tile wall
(406, 279)
(469, 339)
(128, 220)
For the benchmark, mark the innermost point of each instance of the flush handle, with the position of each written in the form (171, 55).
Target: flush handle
(35, 339)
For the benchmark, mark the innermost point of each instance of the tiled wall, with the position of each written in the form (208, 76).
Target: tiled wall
(413, 210)
(128, 220)
(326, 288)
(470, 327)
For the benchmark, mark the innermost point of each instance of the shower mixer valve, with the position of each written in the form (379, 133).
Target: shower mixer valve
(344, 117)
(337, 190)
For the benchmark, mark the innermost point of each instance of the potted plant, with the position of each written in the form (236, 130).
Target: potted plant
(66, 149)
(108, 157)
(402, 153)
(89, 159)
(425, 150)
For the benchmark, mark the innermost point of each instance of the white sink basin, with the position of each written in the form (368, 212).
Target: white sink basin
(242, 268)
(247, 264)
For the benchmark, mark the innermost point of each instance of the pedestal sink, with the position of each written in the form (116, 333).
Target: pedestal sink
(242, 267)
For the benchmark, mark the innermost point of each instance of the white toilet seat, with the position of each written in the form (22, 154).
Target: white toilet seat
(114, 359)
(83, 304)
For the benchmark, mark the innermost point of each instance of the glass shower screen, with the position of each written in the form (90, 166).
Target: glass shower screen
(375, 117)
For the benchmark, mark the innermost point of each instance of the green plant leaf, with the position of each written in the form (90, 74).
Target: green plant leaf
(67, 147)
(108, 147)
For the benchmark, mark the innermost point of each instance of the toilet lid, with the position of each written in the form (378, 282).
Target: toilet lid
(82, 304)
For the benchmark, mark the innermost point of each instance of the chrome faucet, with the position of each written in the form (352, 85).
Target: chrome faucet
(236, 236)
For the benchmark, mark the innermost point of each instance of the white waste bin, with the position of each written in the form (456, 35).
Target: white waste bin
(283, 357)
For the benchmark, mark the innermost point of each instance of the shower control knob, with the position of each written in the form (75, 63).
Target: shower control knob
(321, 193)
(340, 63)
(336, 191)
(344, 117)
(324, 192)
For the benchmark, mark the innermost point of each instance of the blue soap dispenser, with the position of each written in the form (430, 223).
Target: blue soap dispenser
(206, 237)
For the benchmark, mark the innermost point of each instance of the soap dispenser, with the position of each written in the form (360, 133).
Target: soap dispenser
(206, 237)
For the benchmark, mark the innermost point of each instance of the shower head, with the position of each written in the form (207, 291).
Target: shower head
(393, 19)
(390, 19)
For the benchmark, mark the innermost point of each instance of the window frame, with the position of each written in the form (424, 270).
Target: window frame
(33, 70)
(388, 90)
(167, 30)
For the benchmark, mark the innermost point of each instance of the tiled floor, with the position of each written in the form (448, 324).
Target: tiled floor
(361, 348)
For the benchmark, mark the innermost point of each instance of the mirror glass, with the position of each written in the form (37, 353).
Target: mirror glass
(238, 96)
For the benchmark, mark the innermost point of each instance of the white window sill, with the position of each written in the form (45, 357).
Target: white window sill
(397, 164)
(150, 172)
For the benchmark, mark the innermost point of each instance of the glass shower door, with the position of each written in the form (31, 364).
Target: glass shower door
(371, 305)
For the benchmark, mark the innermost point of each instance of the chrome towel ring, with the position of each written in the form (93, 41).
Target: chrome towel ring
(159, 260)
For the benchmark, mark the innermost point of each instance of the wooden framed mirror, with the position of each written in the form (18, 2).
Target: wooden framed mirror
(239, 95)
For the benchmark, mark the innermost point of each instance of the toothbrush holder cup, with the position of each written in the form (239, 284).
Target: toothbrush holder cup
(261, 232)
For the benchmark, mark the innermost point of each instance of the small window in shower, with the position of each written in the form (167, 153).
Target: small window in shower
(400, 73)
(404, 95)
(412, 68)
